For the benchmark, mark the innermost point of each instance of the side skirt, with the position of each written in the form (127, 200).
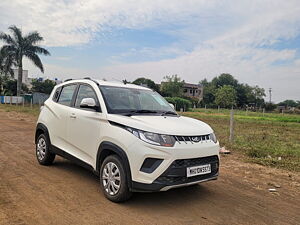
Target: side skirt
(72, 158)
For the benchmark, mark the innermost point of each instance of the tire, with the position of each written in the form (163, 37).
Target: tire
(115, 187)
(43, 154)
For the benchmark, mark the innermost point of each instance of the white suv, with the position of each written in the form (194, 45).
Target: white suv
(128, 135)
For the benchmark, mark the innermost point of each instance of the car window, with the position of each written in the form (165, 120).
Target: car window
(85, 91)
(56, 94)
(66, 95)
(124, 100)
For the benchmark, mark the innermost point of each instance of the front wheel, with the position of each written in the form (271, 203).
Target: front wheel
(43, 154)
(113, 179)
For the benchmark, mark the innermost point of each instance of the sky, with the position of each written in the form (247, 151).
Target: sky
(257, 41)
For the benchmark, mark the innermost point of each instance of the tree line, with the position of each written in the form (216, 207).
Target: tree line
(226, 91)
(8, 86)
(222, 91)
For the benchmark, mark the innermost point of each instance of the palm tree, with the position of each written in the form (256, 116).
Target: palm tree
(18, 46)
(6, 63)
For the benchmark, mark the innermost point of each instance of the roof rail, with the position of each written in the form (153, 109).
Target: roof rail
(88, 78)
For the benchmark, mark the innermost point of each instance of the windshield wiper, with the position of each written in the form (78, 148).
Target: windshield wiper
(169, 112)
(141, 111)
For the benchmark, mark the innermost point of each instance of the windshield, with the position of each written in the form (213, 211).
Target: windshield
(121, 100)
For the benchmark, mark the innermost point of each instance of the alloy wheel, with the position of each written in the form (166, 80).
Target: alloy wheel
(41, 149)
(111, 178)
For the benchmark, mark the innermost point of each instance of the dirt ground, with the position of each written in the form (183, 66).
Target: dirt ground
(65, 193)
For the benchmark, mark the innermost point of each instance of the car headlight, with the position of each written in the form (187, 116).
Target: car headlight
(153, 138)
(213, 137)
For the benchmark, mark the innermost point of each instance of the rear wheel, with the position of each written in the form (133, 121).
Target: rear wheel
(43, 154)
(113, 179)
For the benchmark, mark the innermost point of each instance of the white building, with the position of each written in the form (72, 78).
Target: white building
(25, 79)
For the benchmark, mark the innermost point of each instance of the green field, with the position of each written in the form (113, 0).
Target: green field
(269, 139)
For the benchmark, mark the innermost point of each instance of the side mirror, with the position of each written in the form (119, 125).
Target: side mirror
(88, 103)
(173, 107)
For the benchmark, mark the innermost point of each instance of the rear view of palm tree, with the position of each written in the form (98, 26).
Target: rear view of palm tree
(18, 46)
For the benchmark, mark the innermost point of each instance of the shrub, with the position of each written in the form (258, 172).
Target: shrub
(270, 106)
(179, 103)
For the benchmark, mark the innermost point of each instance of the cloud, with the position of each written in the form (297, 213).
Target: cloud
(245, 38)
(245, 51)
(56, 71)
(76, 22)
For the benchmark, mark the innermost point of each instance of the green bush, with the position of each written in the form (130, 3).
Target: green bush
(179, 103)
(270, 107)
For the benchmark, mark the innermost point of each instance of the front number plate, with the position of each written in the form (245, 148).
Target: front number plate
(198, 170)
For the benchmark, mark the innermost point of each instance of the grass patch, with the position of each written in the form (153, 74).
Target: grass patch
(272, 140)
(35, 110)
(243, 115)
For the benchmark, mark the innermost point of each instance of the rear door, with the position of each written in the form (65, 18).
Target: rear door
(84, 126)
(61, 111)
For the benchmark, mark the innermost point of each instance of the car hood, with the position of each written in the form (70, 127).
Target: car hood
(171, 125)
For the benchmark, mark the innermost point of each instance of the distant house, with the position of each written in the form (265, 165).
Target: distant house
(193, 90)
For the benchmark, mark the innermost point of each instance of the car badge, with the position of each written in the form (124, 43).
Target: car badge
(195, 139)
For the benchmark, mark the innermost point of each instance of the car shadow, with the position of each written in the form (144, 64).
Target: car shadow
(70, 167)
(180, 195)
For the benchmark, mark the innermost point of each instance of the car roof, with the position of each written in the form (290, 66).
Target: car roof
(106, 83)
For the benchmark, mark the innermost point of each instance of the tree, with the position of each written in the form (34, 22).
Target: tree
(209, 91)
(172, 86)
(224, 79)
(270, 106)
(179, 103)
(226, 96)
(148, 82)
(210, 88)
(245, 94)
(42, 86)
(3, 80)
(259, 94)
(9, 87)
(18, 46)
(288, 103)
(6, 64)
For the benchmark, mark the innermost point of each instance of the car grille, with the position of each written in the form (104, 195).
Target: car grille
(192, 139)
(194, 162)
(176, 173)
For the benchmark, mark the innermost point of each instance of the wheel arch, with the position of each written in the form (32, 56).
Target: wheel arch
(41, 129)
(107, 148)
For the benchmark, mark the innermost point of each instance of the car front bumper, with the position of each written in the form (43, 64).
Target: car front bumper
(176, 176)
(140, 151)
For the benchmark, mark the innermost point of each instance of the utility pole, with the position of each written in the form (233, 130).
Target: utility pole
(270, 94)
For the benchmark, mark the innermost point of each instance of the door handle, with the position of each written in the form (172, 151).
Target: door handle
(73, 116)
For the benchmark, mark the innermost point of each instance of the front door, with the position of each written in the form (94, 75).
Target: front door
(84, 126)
